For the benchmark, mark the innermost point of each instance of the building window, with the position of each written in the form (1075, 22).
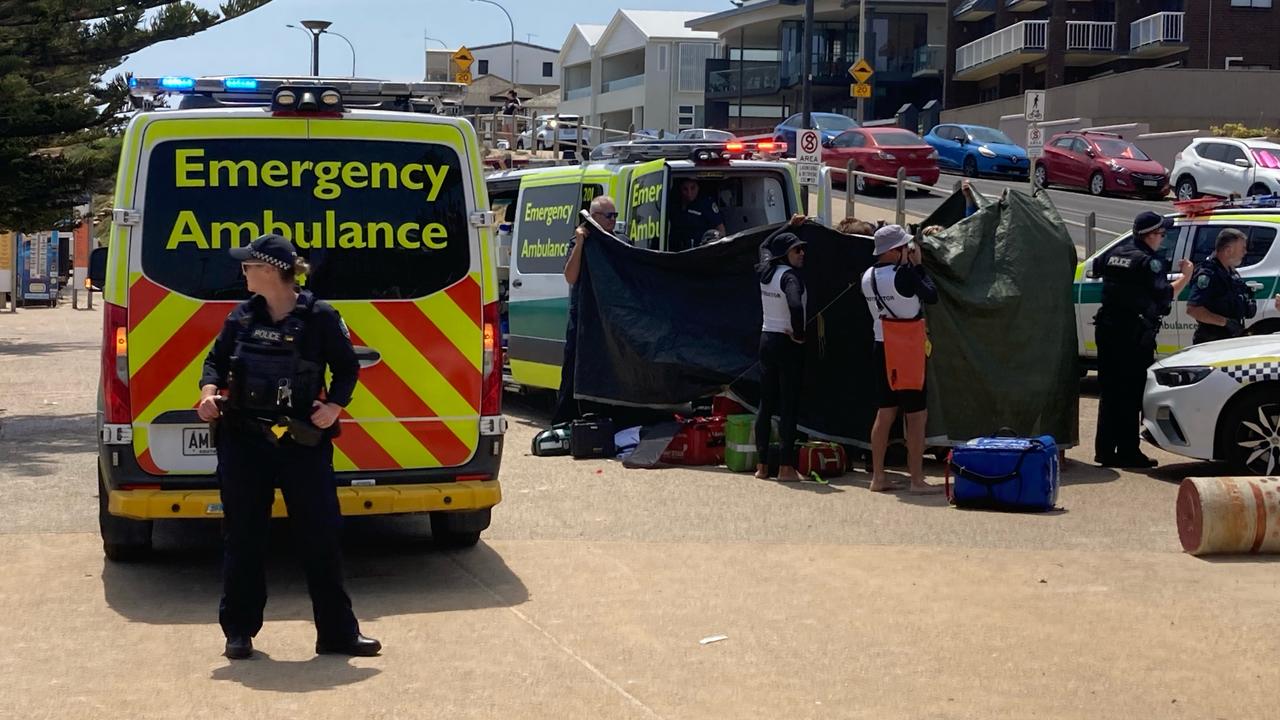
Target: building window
(1251, 3)
(546, 70)
(482, 67)
(662, 58)
(686, 109)
(693, 66)
(685, 121)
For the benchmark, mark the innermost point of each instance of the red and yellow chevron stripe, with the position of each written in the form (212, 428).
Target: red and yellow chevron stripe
(417, 407)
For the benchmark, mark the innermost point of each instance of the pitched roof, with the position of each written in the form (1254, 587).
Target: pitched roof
(518, 42)
(591, 33)
(667, 23)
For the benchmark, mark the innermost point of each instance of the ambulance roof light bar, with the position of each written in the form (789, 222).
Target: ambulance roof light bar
(249, 89)
(697, 151)
(1206, 205)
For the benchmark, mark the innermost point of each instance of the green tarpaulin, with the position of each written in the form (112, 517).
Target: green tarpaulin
(1004, 330)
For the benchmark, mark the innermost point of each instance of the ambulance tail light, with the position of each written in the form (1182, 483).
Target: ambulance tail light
(115, 365)
(491, 368)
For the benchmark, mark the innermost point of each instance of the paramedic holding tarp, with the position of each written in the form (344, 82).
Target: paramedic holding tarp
(278, 428)
(605, 215)
(782, 299)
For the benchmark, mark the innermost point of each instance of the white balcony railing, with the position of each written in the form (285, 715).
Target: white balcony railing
(1091, 35)
(576, 93)
(1165, 27)
(1026, 35)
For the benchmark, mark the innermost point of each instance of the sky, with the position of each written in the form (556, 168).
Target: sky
(387, 34)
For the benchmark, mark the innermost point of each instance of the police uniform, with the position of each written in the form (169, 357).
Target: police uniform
(274, 371)
(1221, 291)
(1136, 295)
(690, 222)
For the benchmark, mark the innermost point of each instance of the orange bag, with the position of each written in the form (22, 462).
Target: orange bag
(904, 346)
(904, 353)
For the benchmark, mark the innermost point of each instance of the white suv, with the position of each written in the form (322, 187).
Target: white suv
(546, 133)
(1222, 166)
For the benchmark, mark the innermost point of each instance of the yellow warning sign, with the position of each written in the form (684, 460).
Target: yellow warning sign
(463, 59)
(6, 251)
(860, 90)
(861, 71)
(463, 77)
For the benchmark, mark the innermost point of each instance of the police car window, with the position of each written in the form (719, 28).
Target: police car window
(374, 219)
(545, 221)
(1260, 241)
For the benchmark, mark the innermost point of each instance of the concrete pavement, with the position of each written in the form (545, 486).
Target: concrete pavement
(589, 595)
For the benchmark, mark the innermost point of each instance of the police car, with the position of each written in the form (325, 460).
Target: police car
(1196, 228)
(1218, 401)
(538, 209)
(388, 204)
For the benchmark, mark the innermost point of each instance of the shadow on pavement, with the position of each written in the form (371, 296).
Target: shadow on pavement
(1177, 472)
(322, 672)
(38, 349)
(31, 445)
(392, 568)
(1075, 472)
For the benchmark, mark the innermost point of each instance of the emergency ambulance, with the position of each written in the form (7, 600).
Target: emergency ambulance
(538, 209)
(1196, 228)
(388, 204)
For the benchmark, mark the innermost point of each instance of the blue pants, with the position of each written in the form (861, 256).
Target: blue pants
(249, 469)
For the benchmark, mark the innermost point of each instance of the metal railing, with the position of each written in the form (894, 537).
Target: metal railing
(1091, 35)
(622, 83)
(902, 185)
(759, 77)
(1025, 35)
(1158, 28)
(575, 93)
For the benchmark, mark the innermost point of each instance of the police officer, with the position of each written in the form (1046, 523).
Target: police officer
(277, 429)
(1136, 295)
(694, 215)
(1220, 300)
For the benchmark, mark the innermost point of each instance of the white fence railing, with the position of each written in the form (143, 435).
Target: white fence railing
(621, 83)
(1026, 35)
(1161, 27)
(1091, 35)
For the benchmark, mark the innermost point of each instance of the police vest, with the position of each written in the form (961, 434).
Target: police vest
(777, 313)
(268, 378)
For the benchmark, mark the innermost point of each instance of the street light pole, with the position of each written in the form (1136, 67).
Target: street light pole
(862, 41)
(316, 27)
(353, 49)
(295, 27)
(806, 66)
(513, 38)
(442, 44)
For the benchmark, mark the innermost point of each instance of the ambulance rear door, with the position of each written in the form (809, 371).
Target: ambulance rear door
(645, 208)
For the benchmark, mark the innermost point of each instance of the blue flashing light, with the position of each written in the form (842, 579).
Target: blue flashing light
(133, 82)
(240, 83)
(178, 83)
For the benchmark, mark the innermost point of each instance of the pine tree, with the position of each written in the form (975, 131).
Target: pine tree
(59, 117)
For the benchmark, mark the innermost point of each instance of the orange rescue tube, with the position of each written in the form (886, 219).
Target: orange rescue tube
(1229, 515)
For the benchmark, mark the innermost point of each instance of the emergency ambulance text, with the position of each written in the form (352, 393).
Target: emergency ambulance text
(328, 178)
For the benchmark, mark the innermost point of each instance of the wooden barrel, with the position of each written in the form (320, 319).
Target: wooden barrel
(1229, 515)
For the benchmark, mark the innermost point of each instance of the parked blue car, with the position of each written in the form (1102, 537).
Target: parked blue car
(829, 124)
(977, 150)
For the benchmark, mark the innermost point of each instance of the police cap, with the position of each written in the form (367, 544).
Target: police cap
(271, 249)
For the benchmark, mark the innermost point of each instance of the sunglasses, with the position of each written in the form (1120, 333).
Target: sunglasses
(608, 216)
(246, 266)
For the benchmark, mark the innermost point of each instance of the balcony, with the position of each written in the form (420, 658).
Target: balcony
(1025, 5)
(577, 93)
(1002, 50)
(929, 61)
(1157, 35)
(759, 77)
(621, 83)
(975, 10)
(1090, 43)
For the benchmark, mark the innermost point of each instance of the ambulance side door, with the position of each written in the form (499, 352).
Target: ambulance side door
(645, 207)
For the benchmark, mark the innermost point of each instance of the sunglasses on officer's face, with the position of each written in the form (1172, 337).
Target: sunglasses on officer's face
(608, 216)
(246, 266)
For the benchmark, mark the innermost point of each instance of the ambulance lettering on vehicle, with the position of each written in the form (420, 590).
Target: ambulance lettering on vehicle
(383, 206)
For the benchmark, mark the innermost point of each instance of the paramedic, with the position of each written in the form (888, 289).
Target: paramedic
(782, 299)
(605, 215)
(897, 288)
(277, 429)
(1136, 295)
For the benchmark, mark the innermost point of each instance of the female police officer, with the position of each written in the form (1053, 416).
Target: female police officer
(271, 357)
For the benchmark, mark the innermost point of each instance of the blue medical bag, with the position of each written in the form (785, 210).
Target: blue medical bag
(1005, 473)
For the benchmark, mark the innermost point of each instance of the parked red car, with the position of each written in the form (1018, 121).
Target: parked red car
(1101, 163)
(881, 151)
